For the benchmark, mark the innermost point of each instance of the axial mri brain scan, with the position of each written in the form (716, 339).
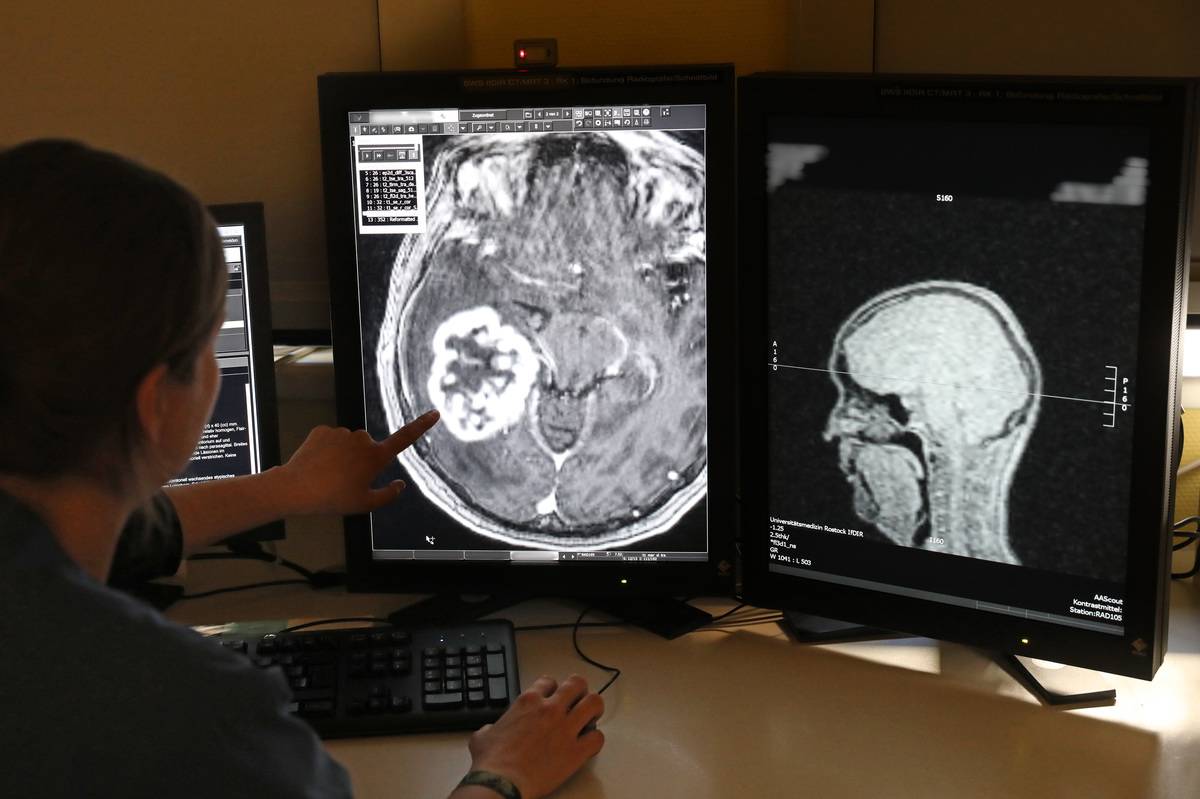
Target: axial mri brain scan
(553, 311)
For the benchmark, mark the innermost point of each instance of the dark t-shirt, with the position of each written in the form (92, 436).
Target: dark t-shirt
(104, 697)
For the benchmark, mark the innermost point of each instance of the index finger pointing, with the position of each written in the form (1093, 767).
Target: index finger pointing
(403, 438)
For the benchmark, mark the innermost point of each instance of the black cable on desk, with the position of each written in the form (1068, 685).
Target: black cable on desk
(320, 622)
(726, 614)
(575, 642)
(254, 551)
(570, 624)
(246, 587)
(1188, 537)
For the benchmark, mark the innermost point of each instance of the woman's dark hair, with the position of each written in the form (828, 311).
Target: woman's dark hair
(107, 269)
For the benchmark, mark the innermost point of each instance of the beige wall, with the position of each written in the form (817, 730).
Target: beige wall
(1054, 37)
(751, 33)
(1057, 37)
(219, 94)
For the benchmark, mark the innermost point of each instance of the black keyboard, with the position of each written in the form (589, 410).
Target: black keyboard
(391, 680)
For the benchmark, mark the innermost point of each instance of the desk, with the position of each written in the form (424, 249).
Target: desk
(746, 713)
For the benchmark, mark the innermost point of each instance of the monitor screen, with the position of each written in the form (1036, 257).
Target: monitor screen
(953, 353)
(536, 269)
(240, 437)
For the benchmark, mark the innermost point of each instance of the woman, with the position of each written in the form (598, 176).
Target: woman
(112, 287)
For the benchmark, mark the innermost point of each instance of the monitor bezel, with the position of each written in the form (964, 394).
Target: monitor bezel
(339, 94)
(1139, 652)
(251, 216)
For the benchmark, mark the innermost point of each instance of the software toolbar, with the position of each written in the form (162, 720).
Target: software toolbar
(524, 120)
(390, 147)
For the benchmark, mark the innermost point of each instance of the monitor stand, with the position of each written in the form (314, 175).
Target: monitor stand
(669, 618)
(1053, 684)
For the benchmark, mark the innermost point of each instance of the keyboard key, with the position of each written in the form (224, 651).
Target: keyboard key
(370, 668)
(322, 676)
(317, 707)
(439, 701)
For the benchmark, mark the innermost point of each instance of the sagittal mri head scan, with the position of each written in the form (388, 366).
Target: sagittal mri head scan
(553, 310)
(930, 456)
(953, 319)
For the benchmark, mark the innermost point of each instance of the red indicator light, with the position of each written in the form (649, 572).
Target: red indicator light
(520, 53)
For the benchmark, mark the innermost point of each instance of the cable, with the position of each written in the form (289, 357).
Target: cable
(563, 626)
(730, 612)
(1188, 538)
(254, 551)
(748, 622)
(246, 587)
(320, 622)
(575, 642)
(265, 557)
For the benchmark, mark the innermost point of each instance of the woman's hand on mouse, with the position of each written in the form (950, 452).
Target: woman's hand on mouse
(543, 738)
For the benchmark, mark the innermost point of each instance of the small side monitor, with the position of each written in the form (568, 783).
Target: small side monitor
(242, 436)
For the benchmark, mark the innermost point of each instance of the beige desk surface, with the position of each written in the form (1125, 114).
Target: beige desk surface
(746, 713)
